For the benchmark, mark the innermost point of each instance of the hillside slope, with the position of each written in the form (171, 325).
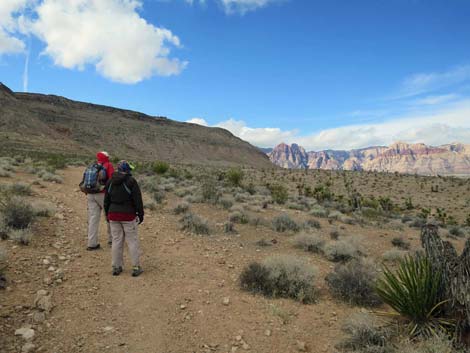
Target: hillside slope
(37, 122)
(451, 159)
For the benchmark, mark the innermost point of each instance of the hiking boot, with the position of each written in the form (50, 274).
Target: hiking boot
(136, 271)
(117, 270)
(110, 243)
(96, 247)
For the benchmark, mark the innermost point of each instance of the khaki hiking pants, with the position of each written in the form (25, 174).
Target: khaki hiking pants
(95, 207)
(125, 231)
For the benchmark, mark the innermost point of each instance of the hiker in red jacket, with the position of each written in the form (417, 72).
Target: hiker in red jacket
(95, 204)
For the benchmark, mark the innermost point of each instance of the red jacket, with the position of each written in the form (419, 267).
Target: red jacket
(104, 161)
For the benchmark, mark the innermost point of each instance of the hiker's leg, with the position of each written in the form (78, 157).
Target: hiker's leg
(117, 250)
(100, 200)
(94, 213)
(132, 240)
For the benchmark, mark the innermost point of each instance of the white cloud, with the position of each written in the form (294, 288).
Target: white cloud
(426, 82)
(109, 34)
(198, 121)
(261, 137)
(446, 126)
(438, 99)
(9, 26)
(243, 6)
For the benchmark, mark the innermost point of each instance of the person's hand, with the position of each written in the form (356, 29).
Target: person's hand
(141, 218)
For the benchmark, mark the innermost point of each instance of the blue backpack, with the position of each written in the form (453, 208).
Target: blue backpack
(94, 179)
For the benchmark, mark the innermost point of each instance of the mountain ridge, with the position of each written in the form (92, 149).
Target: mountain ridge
(402, 157)
(34, 122)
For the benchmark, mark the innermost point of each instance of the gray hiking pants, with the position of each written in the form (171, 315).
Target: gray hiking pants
(95, 207)
(125, 231)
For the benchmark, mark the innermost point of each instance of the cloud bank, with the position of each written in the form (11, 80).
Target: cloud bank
(447, 125)
(107, 34)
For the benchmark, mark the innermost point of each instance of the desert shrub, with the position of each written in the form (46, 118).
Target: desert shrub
(22, 236)
(51, 177)
(309, 242)
(5, 173)
(414, 292)
(209, 192)
(158, 196)
(3, 260)
(437, 344)
(182, 192)
(334, 235)
(319, 211)
(226, 202)
(17, 213)
(354, 282)
(181, 207)
(150, 205)
(456, 231)
(263, 243)
(418, 222)
(56, 162)
(235, 176)
(281, 276)
(43, 209)
(20, 189)
(160, 167)
(400, 243)
(336, 215)
(394, 255)
(342, 250)
(241, 196)
(229, 228)
(284, 223)
(195, 224)
(279, 193)
(296, 206)
(238, 217)
(312, 223)
(366, 335)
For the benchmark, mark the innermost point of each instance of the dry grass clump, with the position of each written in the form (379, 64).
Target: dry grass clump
(5, 173)
(281, 276)
(195, 224)
(354, 283)
(309, 242)
(50, 177)
(226, 202)
(394, 255)
(284, 223)
(19, 189)
(229, 228)
(181, 207)
(343, 250)
(400, 243)
(21, 236)
(17, 213)
(438, 344)
(366, 335)
(43, 209)
(319, 211)
(239, 217)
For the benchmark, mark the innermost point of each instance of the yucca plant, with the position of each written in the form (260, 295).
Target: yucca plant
(414, 292)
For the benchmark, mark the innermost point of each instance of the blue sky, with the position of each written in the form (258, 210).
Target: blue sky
(325, 74)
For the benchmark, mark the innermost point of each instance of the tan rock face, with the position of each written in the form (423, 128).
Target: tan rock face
(399, 157)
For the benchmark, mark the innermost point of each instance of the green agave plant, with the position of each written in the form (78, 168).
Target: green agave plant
(414, 292)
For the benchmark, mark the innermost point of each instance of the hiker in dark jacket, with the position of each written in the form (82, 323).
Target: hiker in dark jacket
(124, 211)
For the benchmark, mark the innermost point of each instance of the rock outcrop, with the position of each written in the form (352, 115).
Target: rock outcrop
(450, 159)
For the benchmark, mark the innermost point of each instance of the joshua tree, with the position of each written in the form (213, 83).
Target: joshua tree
(455, 271)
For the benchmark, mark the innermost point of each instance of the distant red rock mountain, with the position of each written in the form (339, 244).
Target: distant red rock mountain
(450, 159)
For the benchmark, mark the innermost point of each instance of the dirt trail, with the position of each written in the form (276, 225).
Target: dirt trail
(177, 304)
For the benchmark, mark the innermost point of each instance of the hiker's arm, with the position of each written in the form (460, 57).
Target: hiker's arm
(137, 199)
(107, 200)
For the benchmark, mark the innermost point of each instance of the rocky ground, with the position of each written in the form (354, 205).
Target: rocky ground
(61, 298)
